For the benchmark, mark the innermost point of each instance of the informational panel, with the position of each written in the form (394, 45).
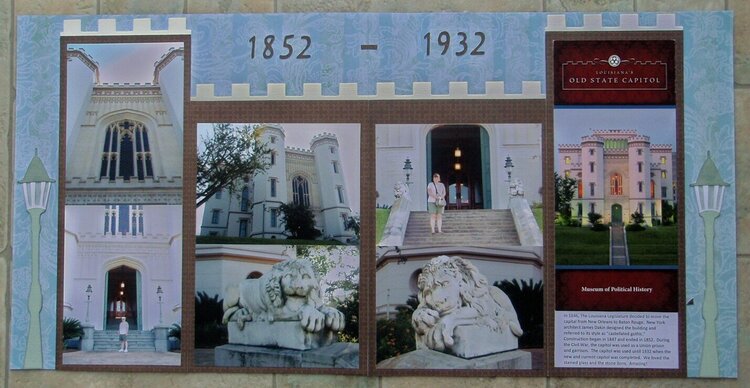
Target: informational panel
(392, 194)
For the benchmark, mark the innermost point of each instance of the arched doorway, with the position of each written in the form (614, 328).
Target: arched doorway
(460, 154)
(616, 214)
(123, 298)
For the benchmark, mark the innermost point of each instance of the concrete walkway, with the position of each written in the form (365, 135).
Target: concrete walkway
(618, 246)
(117, 358)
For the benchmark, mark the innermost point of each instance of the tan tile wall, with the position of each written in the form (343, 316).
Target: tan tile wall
(10, 8)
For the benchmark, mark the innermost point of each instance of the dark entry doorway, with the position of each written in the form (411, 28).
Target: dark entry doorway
(460, 154)
(123, 298)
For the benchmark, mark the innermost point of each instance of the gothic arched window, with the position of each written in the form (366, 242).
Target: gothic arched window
(615, 184)
(126, 152)
(300, 191)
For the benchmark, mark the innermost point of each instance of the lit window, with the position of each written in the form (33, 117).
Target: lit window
(615, 184)
(215, 216)
(663, 174)
(567, 173)
(567, 160)
(663, 160)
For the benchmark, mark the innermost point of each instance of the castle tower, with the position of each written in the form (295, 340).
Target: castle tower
(334, 202)
(592, 174)
(270, 189)
(639, 166)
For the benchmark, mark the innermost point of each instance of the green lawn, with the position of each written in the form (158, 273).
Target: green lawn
(381, 217)
(581, 246)
(654, 246)
(539, 216)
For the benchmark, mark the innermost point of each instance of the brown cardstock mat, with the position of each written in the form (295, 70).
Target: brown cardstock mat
(367, 113)
(549, 198)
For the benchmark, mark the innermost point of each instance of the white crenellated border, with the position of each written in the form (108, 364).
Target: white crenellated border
(628, 22)
(383, 91)
(142, 26)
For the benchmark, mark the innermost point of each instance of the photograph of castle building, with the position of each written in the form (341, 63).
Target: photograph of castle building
(618, 172)
(122, 253)
(616, 186)
(310, 166)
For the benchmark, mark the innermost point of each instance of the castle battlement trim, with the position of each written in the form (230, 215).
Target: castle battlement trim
(628, 22)
(141, 26)
(384, 91)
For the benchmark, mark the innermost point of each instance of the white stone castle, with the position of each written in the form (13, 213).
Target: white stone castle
(313, 177)
(619, 172)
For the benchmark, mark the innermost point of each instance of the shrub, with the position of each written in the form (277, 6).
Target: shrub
(596, 222)
(636, 223)
(528, 301)
(72, 328)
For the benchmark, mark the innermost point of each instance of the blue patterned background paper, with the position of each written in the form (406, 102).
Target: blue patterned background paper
(514, 50)
(709, 126)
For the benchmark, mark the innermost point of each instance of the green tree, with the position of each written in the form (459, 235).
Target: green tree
(226, 156)
(565, 190)
(667, 212)
(528, 301)
(350, 308)
(299, 221)
(396, 336)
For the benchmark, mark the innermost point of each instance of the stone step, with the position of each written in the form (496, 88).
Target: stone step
(138, 341)
(463, 227)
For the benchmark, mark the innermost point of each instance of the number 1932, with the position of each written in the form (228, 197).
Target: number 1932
(462, 43)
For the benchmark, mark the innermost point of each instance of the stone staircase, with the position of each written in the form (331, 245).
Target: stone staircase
(138, 341)
(478, 228)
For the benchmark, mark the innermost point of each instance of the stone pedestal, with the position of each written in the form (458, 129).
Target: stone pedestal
(475, 341)
(430, 359)
(278, 334)
(87, 342)
(160, 338)
(338, 355)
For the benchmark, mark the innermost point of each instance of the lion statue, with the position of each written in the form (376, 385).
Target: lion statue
(401, 190)
(452, 293)
(289, 292)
